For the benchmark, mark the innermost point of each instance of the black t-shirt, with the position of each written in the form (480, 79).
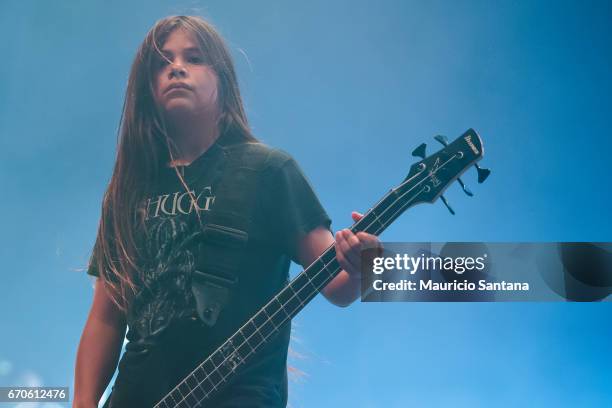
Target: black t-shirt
(205, 276)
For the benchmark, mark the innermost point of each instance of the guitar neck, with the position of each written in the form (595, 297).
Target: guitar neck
(425, 183)
(217, 369)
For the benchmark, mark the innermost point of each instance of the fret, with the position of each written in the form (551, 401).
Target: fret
(269, 319)
(307, 292)
(328, 255)
(181, 403)
(281, 306)
(284, 296)
(199, 394)
(196, 392)
(190, 381)
(207, 365)
(260, 318)
(296, 295)
(256, 334)
(244, 347)
(327, 271)
(184, 389)
(393, 211)
(174, 397)
(190, 399)
(230, 355)
(179, 397)
(358, 226)
(299, 283)
(319, 278)
(377, 213)
(244, 339)
(379, 230)
(377, 219)
(214, 377)
(308, 281)
(199, 374)
(289, 302)
(329, 268)
(224, 370)
(265, 323)
(270, 309)
(275, 318)
(247, 331)
(244, 350)
(216, 359)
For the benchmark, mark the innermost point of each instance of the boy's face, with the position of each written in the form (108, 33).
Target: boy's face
(184, 84)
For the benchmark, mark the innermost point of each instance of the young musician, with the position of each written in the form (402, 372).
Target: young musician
(199, 224)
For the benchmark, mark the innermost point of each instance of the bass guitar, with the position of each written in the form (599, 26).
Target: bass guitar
(425, 183)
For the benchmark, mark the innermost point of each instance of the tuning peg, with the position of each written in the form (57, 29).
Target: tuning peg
(465, 189)
(447, 205)
(420, 151)
(482, 173)
(442, 139)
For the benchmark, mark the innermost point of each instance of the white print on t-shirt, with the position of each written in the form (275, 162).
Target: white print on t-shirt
(161, 204)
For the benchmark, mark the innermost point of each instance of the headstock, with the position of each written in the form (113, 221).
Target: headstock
(429, 177)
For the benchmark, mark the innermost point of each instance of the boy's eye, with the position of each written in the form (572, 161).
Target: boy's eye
(195, 59)
(161, 62)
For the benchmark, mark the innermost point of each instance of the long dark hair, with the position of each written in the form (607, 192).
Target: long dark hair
(144, 146)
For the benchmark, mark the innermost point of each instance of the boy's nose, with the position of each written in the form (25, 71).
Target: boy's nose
(177, 70)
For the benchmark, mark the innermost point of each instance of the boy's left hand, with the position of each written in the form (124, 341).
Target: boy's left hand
(349, 246)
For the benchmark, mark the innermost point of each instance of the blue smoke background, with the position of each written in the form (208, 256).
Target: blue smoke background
(349, 88)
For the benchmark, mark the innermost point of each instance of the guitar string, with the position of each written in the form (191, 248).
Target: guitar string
(242, 359)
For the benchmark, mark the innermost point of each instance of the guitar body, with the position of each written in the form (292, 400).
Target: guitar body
(139, 391)
(166, 362)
